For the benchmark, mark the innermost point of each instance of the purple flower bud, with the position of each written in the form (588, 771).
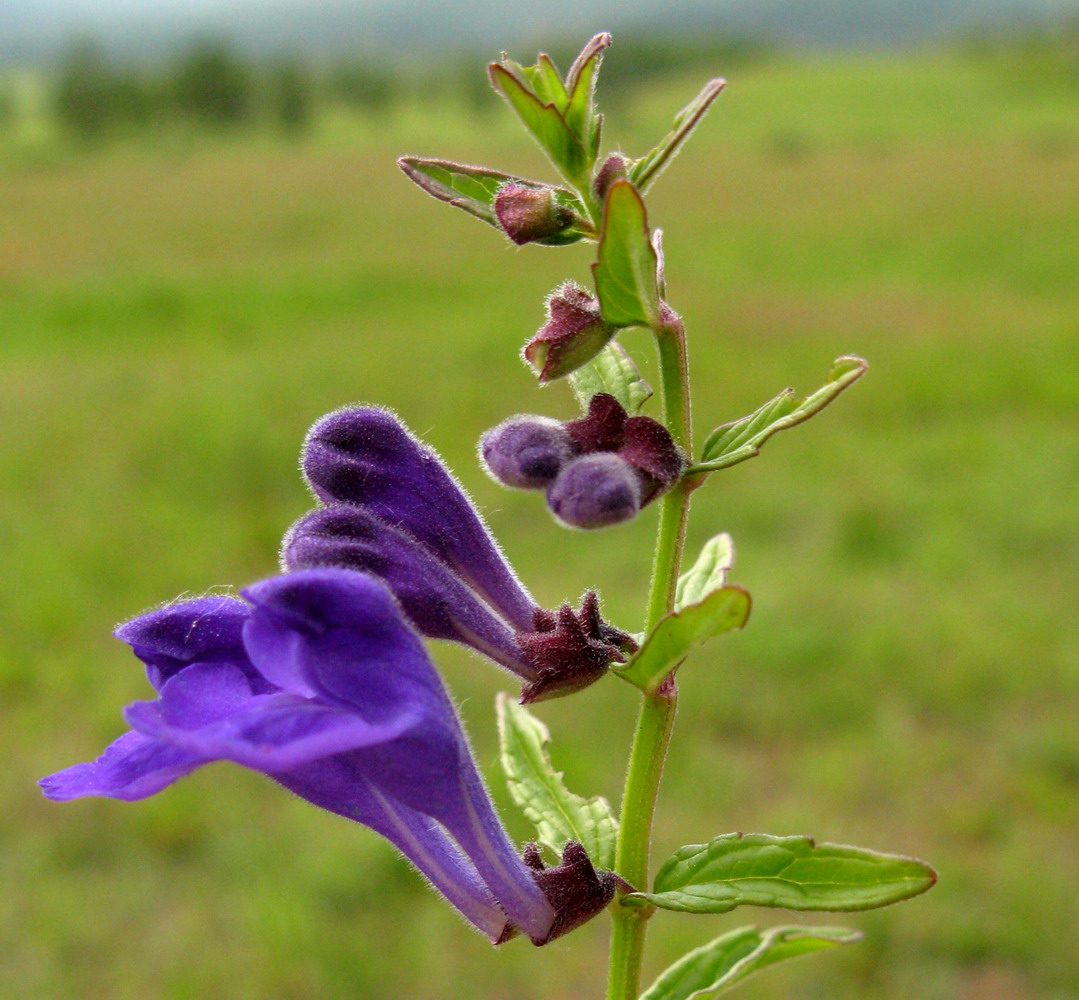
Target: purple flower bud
(596, 490)
(613, 168)
(529, 214)
(526, 452)
(574, 333)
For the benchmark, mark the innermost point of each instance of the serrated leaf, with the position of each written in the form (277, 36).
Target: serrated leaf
(645, 170)
(757, 869)
(544, 121)
(611, 371)
(679, 632)
(732, 443)
(538, 789)
(709, 572)
(717, 966)
(626, 272)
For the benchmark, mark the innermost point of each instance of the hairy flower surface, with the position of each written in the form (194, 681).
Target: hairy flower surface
(318, 681)
(394, 510)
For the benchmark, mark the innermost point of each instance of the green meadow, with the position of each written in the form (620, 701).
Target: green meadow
(174, 314)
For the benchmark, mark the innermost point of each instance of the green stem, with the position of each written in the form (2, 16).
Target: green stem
(656, 719)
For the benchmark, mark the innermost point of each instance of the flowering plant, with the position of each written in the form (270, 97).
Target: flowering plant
(319, 677)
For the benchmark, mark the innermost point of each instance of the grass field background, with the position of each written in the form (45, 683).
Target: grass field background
(175, 314)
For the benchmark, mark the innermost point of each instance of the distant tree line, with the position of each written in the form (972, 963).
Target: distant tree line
(209, 84)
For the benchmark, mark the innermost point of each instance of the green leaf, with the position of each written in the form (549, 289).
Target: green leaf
(548, 83)
(756, 869)
(645, 170)
(717, 966)
(581, 84)
(537, 788)
(732, 443)
(470, 188)
(544, 121)
(681, 631)
(709, 572)
(626, 271)
(611, 371)
(473, 189)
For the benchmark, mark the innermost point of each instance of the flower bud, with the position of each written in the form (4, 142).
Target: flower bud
(595, 490)
(529, 214)
(526, 452)
(574, 333)
(613, 168)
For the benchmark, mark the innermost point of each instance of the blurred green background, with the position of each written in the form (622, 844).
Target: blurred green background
(183, 291)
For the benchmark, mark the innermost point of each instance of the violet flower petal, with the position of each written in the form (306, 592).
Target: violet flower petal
(366, 456)
(356, 721)
(338, 784)
(131, 768)
(203, 712)
(341, 634)
(171, 637)
(435, 599)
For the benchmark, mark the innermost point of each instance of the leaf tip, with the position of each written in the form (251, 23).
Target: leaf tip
(849, 365)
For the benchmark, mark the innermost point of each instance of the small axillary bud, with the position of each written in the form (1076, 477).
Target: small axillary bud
(529, 214)
(613, 168)
(574, 333)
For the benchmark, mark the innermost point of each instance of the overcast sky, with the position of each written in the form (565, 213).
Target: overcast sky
(34, 27)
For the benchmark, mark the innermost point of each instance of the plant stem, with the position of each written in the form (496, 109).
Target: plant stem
(656, 719)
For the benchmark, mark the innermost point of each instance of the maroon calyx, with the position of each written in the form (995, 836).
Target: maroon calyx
(643, 442)
(530, 214)
(602, 428)
(614, 168)
(573, 334)
(649, 447)
(571, 649)
(575, 888)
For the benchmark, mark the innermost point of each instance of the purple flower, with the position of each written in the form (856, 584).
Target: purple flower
(320, 683)
(393, 510)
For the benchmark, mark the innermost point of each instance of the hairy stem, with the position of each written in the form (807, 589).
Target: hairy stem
(656, 719)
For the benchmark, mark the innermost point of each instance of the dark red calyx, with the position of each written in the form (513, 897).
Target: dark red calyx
(571, 650)
(573, 334)
(613, 169)
(602, 428)
(649, 447)
(575, 888)
(531, 214)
